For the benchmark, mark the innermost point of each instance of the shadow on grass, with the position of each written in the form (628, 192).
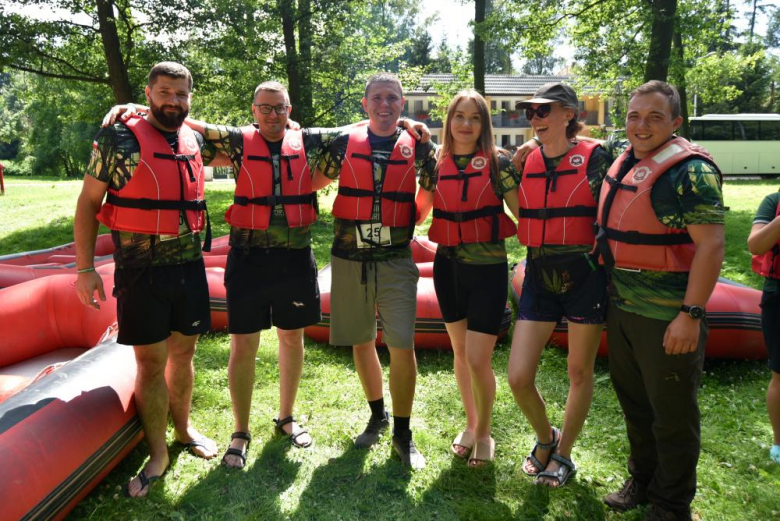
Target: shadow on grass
(242, 493)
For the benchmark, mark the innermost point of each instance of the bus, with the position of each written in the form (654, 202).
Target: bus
(741, 144)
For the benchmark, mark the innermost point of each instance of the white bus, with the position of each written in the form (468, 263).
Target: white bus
(740, 143)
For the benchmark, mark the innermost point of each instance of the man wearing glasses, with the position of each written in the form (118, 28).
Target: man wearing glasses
(271, 274)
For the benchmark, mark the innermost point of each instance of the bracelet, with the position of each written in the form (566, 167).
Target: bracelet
(86, 270)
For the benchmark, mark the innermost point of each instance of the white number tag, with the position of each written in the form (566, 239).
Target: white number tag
(372, 234)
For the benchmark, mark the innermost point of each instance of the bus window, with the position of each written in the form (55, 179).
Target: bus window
(717, 130)
(697, 130)
(770, 130)
(746, 131)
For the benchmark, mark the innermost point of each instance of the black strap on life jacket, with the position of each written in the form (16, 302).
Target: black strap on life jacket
(461, 176)
(273, 200)
(184, 158)
(553, 213)
(460, 217)
(554, 176)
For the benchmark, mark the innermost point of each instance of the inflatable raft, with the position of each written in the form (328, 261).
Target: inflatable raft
(429, 329)
(67, 414)
(21, 267)
(733, 314)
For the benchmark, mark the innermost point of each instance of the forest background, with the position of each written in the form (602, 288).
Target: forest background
(63, 63)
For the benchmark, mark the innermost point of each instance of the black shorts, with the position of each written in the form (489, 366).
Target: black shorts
(770, 324)
(271, 286)
(585, 303)
(154, 301)
(476, 292)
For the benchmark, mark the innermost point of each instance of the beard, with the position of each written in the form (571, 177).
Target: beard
(172, 121)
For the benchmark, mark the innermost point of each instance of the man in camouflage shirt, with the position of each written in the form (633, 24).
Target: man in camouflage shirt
(660, 282)
(373, 271)
(160, 279)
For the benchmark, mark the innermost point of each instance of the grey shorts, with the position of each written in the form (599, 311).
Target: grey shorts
(390, 290)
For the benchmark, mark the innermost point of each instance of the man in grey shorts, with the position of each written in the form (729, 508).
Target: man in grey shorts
(373, 271)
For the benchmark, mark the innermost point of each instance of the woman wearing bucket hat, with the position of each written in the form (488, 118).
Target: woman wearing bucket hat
(558, 198)
(468, 190)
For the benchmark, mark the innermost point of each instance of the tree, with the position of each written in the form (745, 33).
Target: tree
(96, 41)
(480, 7)
(541, 64)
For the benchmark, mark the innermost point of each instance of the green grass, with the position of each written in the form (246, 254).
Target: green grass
(331, 480)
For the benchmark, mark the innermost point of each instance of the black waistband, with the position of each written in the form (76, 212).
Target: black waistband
(460, 217)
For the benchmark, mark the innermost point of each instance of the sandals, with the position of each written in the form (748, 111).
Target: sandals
(484, 452)
(544, 446)
(238, 452)
(280, 423)
(146, 481)
(201, 442)
(562, 475)
(466, 440)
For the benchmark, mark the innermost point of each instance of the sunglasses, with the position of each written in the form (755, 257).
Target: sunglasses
(266, 109)
(542, 111)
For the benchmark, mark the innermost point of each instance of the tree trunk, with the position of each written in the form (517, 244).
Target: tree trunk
(685, 129)
(479, 47)
(304, 63)
(117, 71)
(657, 66)
(287, 7)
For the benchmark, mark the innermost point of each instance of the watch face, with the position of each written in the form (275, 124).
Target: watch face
(696, 312)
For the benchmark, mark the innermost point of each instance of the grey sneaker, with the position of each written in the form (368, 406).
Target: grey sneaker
(630, 496)
(374, 429)
(406, 450)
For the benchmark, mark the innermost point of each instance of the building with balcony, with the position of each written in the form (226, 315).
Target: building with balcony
(510, 126)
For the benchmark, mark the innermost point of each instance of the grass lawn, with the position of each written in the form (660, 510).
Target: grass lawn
(332, 480)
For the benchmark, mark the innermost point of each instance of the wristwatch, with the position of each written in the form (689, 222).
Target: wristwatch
(695, 312)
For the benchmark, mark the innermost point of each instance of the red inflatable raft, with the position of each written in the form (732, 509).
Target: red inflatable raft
(67, 414)
(429, 329)
(21, 267)
(733, 314)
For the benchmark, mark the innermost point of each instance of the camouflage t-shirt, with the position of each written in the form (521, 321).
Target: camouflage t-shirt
(478, 252)
(345, 243)
(230, 140)
(115, 155)
(765, 215)
(688, 193)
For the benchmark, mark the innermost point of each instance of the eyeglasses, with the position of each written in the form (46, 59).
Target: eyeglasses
(266, 109)
(542, 111)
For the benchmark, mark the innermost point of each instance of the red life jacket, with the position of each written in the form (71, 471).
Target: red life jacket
(768, 264)
(558, 209)
(162, 186)
(355, 199)
(254, 198)
(629, 233)
(465, 206)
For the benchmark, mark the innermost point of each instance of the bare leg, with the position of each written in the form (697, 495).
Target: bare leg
(479, 355)
(403, 379)
(151, 400)
(290, 370)
(241, 378)
(457, 333)
(583, 343)
(368, 369)
(528, 342)
(180, 376)
(773, 405)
